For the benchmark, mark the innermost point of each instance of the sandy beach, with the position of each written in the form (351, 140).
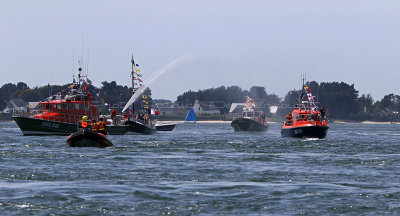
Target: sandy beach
(228, 122)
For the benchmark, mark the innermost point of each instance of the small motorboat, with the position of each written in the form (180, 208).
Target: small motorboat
(86, 138)
(165, 127)
(137, 126)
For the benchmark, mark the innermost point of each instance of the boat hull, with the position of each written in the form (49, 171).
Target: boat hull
(136, 127)
(37, 127)
(165, 127)
(245, 124)
(314, 131)
(88, 139)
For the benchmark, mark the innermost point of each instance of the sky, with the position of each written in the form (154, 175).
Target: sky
(242, 42)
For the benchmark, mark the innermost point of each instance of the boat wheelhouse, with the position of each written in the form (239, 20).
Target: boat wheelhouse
(67, 110)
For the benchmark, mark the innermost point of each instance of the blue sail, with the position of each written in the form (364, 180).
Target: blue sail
(191, 116)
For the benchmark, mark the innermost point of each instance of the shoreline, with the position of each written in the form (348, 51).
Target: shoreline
(272, 122)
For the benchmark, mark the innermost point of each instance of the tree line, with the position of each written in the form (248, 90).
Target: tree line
(341, 100)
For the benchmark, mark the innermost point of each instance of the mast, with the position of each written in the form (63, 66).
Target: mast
(133, 75)
(136, 81)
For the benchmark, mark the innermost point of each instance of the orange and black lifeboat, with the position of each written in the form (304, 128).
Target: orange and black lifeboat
(304, 123)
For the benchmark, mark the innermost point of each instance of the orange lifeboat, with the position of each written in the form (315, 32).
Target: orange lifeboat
(306, 120)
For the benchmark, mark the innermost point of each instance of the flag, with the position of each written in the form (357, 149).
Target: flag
(71, 86)
(137, 69)
(98, 94)
(144, 96)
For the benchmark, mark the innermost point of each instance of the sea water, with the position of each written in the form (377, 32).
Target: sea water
(204, 169)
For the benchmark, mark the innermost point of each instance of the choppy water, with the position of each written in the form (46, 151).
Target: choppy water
(204, 169)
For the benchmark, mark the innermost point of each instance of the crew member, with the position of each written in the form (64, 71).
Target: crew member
(263, 117)
(84, 123)
(322, 110)
(114, 116)
(102, 126)
(125, 116)
(95, 126)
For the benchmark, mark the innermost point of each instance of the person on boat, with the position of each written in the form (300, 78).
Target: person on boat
(131, 114)
(102, 126)
(125, 116)
(263, 117)
(95, 126)
(84, 124)
(147, 118)
(141, 117)
(114, 116)
(322, 111)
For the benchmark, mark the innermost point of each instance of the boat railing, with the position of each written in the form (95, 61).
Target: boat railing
(304, 118)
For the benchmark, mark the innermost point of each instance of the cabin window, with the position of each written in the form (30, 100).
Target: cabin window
(71, 106)
(81, 106)
(249, 114)
(77, 106)
(58, 106)
(48, 106)
(64, 106)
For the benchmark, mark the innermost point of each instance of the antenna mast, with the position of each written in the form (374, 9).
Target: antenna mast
(133, 75)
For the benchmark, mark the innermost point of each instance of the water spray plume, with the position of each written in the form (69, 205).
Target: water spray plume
(142, 88)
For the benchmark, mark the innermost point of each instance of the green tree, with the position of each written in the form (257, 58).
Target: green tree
(22, 86)
(6, 92)
(30, 95)
(234, 94)
(258, 93)
(366, 103)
